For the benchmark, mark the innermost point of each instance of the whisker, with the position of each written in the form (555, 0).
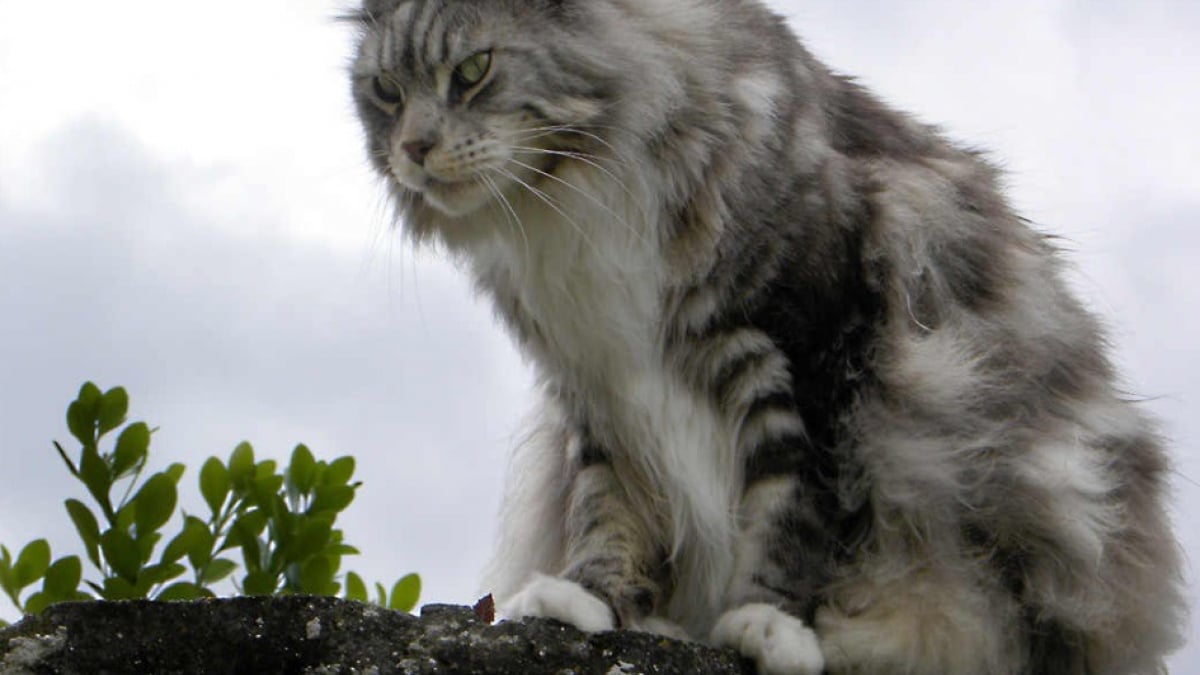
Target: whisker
(550, 202)
(572, 130)
(592, 161)
(595, 200)
(586, 158)
(509, 213)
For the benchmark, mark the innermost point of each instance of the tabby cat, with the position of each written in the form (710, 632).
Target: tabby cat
(810, 387)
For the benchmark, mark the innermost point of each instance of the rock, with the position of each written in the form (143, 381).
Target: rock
(303, 634)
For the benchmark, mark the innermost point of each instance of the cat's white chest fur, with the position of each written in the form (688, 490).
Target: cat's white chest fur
(588, 280)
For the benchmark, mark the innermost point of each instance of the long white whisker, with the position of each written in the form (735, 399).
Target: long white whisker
(590, 160)
(573, 130)
(509, 213)
(550, 202)
(632, 230)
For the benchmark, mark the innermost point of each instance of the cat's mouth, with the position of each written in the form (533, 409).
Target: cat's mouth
(461, 196)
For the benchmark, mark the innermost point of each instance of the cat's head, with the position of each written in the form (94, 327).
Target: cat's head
(466, 101)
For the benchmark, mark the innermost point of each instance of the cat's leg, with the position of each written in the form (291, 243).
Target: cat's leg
(779, 555)
(613, 572)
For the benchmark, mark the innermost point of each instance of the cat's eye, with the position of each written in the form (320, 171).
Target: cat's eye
(473, 69)
(386, 90)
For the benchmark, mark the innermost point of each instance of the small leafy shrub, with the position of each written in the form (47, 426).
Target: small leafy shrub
(280, 520)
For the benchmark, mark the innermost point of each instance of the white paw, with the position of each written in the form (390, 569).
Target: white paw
(779, 643)
(563, 600)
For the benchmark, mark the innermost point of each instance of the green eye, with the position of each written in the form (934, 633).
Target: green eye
(473, 69)
(386, 90)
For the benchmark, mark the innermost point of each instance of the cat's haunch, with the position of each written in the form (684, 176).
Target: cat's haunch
(810, 387)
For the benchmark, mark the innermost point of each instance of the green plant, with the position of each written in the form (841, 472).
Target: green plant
(281, 521)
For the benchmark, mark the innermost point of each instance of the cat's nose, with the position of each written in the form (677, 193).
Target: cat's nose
(417, 150)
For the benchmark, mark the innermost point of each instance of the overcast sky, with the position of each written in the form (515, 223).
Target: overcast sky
(185, 210)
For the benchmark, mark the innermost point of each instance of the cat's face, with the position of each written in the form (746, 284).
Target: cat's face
(466, 102)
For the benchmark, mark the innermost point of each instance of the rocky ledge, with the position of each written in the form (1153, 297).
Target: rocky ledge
(301, 634)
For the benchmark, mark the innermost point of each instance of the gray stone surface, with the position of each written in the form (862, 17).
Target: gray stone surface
(300, 634)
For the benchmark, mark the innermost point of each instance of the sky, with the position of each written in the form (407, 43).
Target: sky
(186, 211)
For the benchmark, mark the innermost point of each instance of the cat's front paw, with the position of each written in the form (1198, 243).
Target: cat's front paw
(563, 600)
(779, 643)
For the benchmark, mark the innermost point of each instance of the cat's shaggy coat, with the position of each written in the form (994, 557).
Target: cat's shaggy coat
(812, 388)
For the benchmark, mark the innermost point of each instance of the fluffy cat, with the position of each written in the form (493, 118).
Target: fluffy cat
(812, 389)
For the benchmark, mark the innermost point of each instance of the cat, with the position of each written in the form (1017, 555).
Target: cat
(810, 388)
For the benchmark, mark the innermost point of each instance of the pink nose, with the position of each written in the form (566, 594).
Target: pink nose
(417, 150)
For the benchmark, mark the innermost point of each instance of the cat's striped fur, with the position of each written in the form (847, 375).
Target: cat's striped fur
(801, 361)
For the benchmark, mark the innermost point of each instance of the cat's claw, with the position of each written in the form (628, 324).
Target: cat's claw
(780, 644)
(564, 600)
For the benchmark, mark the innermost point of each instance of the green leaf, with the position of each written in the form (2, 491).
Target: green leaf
(116, 588)
(218, 569)
(87, 527)
(82, 414)
(355, 588)
(146, 544)
(300, 471)
(316, 576)
(259, 583)
(265, 491)
(193, 535)
(80, 424)
(124, 517)
(176, 548)
(122, 555)
(113, 406)
(199, 541)
(380, 595)
(332, 498)
(154, 503)
(250, 524)
(266, 468)
(244, 532)
(37, 602)
(132, 446)
(93, 471)
(89, 395)
(160, 573)
(63, 577)
(405, 593)
(183, 590)
(339, 471)
(6, 579)
(311, 539)
(32, 562)
(214, 484)
(175, 471)
(241, 465)
(252, 554)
